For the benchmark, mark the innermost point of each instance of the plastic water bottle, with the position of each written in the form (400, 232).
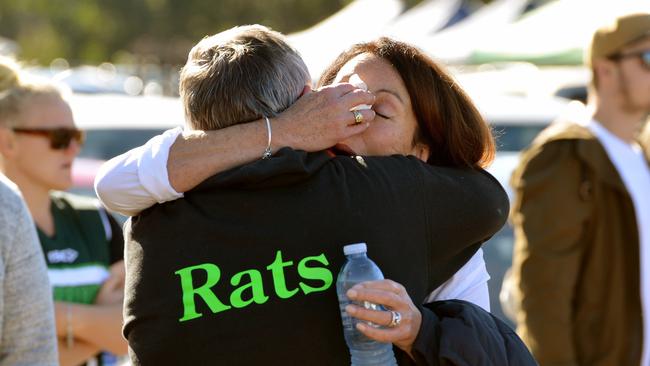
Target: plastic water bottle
(359, 268)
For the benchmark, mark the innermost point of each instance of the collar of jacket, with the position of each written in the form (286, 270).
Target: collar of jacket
(285, 167)
(588, 148)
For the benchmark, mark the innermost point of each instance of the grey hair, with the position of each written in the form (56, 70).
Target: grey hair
(240, 75)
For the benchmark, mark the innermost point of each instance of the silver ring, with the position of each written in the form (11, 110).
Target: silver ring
(395, 319)
(358, 117)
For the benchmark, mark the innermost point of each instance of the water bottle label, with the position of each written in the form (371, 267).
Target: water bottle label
(345, 318)
(349, 322)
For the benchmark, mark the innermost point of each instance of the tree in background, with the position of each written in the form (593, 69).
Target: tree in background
(144, 31)
(148, 39)
(94, 31)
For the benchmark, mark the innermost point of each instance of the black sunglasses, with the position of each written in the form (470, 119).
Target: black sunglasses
(644, 56)
(60, 138)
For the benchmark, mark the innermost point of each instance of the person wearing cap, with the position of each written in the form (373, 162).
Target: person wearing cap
(582, 216)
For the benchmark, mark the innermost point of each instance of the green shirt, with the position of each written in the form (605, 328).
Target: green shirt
(86, 242)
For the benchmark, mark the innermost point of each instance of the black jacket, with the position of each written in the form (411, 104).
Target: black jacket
(459, 333)
(241, 271)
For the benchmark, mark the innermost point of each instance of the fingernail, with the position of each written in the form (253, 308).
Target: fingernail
(352, 294)
(361, 326)
(350, 309)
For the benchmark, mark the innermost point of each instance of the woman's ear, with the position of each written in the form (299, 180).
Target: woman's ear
(421, 151)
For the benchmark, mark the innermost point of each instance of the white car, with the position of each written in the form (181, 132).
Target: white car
(115, 124)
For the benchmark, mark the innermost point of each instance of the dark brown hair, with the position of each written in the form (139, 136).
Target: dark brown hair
(448, 121)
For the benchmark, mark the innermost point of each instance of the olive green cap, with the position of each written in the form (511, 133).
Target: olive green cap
(611, 38)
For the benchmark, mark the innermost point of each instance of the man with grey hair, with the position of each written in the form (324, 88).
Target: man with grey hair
(240, 271)
(219, 62)
(231, 83)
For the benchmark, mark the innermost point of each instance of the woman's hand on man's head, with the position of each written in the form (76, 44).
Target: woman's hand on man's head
(321, 118)
(392, 296)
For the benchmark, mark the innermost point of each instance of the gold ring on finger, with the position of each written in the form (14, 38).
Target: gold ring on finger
(358, 117)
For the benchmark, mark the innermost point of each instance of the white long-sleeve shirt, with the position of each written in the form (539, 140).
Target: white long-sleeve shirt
(138, 179)
(633, 168)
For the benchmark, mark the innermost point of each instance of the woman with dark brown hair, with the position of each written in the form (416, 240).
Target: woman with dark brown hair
(419, 97)
(420, 111)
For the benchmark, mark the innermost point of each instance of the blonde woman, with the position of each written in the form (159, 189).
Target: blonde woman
(82, 244)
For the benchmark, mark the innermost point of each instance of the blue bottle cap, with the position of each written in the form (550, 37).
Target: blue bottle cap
(355, 248)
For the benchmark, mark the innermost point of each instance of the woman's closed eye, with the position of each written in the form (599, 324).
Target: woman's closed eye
(383, 111)
(386, 106)
(381, 115)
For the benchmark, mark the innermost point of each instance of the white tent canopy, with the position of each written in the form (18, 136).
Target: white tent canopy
(360, 21)
(423, 19)
(457, 42)
(555, 33)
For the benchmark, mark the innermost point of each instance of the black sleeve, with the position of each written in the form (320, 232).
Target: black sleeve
(425, 348)
(463, 208)
(456, 332)
(469, 203)
(117, 240)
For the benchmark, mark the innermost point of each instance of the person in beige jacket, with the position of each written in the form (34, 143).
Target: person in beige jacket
(582, 216)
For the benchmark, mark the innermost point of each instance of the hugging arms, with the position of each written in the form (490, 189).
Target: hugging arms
(404, 123)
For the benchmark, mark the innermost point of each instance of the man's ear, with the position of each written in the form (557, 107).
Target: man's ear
(604, 70)
(421, 151)
(7, 142)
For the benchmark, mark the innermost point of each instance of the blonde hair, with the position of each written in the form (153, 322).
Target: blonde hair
(240, 75)
(16, 91)
(8, 73)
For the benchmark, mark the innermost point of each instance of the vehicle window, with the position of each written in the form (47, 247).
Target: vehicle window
(515, 137)
(105, 144)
